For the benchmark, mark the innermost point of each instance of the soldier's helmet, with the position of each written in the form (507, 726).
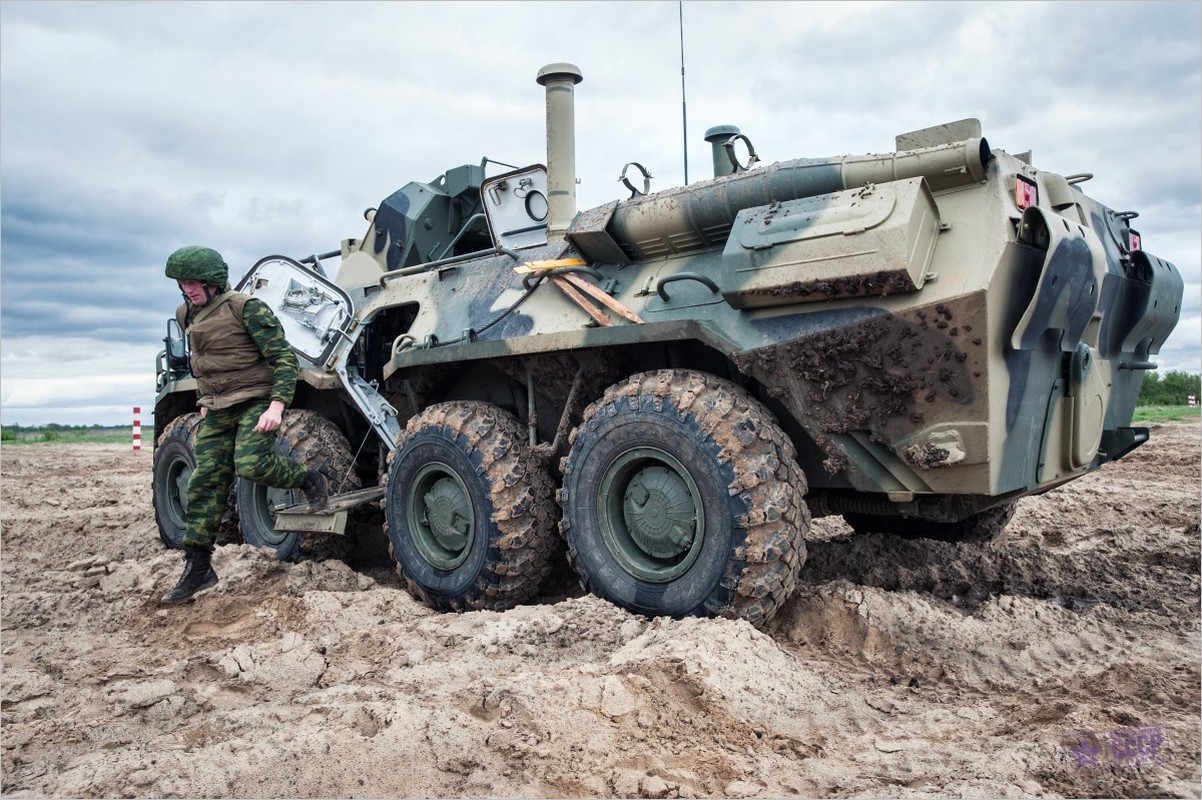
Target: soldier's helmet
(198, 263)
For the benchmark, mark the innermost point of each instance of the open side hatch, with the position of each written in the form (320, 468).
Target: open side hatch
(313, 311)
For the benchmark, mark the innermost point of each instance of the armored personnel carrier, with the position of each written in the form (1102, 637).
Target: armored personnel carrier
(670, 386)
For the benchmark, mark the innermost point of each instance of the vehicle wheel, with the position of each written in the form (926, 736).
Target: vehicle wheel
(979, 528)
(174, 460)
(682, 496)
(470, 509)
(314, 441)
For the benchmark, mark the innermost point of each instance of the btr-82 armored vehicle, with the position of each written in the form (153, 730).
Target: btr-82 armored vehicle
(675, 383)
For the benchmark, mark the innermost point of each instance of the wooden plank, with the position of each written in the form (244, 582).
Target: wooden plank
(604, 297)
(538, 266)
(590, 309)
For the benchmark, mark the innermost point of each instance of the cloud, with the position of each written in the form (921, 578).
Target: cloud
(131, 128)
(76, 381)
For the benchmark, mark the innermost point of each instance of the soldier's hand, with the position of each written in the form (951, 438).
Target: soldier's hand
(271, 419)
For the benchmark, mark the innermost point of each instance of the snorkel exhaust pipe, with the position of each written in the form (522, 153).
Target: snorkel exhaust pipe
(559, 80)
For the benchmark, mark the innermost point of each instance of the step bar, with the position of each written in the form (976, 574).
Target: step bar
(331, 519)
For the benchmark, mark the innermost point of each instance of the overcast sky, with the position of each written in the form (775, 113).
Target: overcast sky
(130, 129)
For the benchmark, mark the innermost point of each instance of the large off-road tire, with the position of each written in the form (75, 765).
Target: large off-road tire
(979, 528)
(314, 441)
(682, 496)
(470, 509)
(174, 461)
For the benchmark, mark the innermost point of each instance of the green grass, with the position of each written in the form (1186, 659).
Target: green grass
(1166, 414)
(121, 434)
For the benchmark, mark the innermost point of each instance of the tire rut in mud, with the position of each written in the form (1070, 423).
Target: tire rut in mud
(968, 575)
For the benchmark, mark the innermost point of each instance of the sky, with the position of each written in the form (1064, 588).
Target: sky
(129, 129)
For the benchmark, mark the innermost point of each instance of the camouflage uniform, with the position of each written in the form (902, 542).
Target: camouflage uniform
(242, 363)
(227, 443)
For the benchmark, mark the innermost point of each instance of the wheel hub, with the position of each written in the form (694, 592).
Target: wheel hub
(441, 516)
(658, 510)
(448, 515)
(651, 515)
(275, 499)
(182, 472)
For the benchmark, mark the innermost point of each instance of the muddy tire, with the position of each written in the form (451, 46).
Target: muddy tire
(980, 528)
(314, 441)
(470, 509)
(174, 460)
(682, 496)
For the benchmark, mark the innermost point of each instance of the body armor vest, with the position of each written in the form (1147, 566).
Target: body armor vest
(226, 362)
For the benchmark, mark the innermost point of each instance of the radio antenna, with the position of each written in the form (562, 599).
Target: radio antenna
(684, 111)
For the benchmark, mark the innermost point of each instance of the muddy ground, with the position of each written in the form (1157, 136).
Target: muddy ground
(1060, 661)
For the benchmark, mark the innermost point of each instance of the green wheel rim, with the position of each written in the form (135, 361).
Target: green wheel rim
(270, 500)
(179, 472)
(651, 517)
(441, 516)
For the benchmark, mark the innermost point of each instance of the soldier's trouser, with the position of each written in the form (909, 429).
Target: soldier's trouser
(226, 445)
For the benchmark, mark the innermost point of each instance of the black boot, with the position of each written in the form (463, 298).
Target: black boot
(316, 490)
(198, 576)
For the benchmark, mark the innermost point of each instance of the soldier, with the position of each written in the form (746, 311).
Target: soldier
(246, 376)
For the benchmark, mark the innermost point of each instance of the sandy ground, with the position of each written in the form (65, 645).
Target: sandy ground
(1060, 661)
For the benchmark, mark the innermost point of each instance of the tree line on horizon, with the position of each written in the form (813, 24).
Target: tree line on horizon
(1173, 389)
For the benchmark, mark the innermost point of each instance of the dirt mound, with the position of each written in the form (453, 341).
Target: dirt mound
(1060, 660)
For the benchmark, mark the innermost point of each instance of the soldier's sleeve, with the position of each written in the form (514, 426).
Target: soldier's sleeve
(268, 335)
